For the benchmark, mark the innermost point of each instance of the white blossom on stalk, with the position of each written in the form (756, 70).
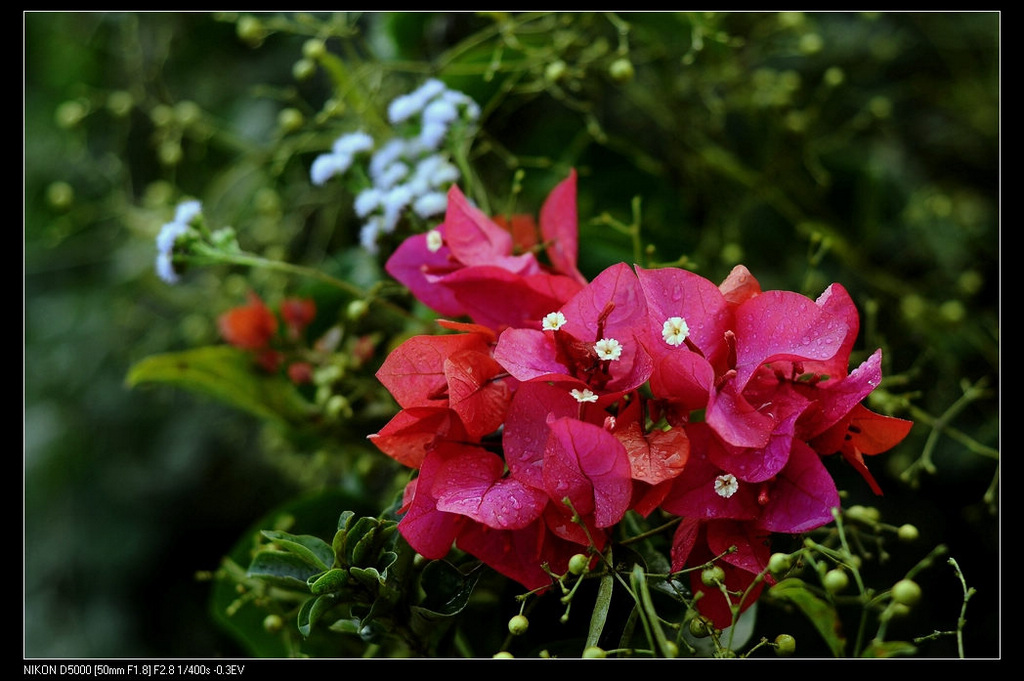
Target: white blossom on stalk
(608, 348)
(553, 321)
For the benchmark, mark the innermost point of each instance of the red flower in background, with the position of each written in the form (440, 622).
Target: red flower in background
(250, 327)
(253, 327)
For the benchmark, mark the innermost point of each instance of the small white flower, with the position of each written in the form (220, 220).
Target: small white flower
(553, 321)
(393, 150)
(352, 143)
(584, 395)
(326, 166)
(391, 175)
(406, 106)
(433, 134)
(165, 268)
(608, 348)
(169, 234)
(369, 233)
(726, 485)
(675, 330)
(367, 201)
(434, 241)
(430, 204)
(440, 111)
(187, 211)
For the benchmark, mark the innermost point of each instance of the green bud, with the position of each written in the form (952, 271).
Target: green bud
(579, 564)
(864, 514)
(249, 29)
(785, 645)
(303, 69)
(518, 625)
(60, 195)
(907, 533)
(273, 623)
(835, 580)
(670, 649)
(555, 71)
(594, 652)
(170, 153)
(187, 112)
(70, 113)
(701, 627)
(356, 309)
(503, 655)
(290, 119)
(314, 48)
(621, 70)
(906, 592)
(779, 563)
(712, 576)
(120, 103)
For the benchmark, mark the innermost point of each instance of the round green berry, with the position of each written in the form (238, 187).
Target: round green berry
(712, 576)
(555, 71)
(785, 645)
(273, 623)
(906, 592)
(518, 625)
(701, 627)
(779, 563)
(907, 533)
(835, 580)
(621, 70)
(503, 655)
(579, 564)
(594, 652)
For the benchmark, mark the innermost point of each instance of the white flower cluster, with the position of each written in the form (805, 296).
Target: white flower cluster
(169, 234)
(409, 172)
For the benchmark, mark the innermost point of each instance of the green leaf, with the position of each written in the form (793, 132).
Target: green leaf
(819, 611)
(889, 649)
(446, 589)
(227, 374)
(282, 569)
(312, 550)
(332, 580)
(601, 607)
(312, 610)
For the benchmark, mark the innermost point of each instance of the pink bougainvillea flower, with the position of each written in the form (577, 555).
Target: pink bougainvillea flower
(687, 320)
(587, 465)
(471, 482)
(412, 432)
(775, 333)
(448, 386)
(462, 497)
(699, 541)
(800, 497)
(468, 265)
(594, 338)
(862, 432)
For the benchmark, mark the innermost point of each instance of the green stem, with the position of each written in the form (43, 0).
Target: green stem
(207, 256)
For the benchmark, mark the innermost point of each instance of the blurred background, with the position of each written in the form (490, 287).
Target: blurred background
(861, 148)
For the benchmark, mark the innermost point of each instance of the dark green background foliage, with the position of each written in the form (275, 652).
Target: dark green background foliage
(858, 148)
